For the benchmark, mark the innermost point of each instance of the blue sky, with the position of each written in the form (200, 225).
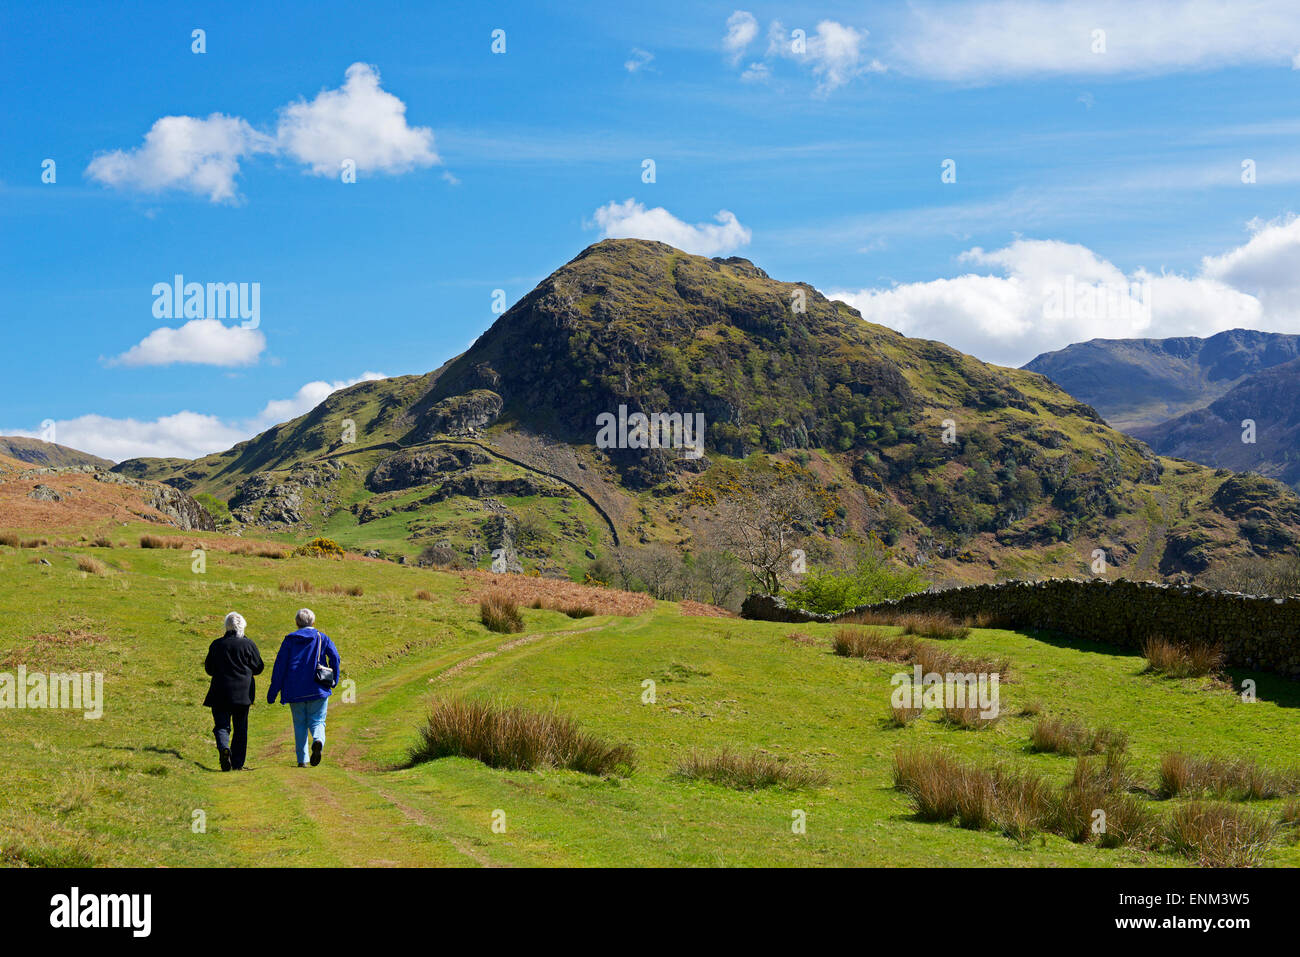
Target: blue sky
(1082, 162)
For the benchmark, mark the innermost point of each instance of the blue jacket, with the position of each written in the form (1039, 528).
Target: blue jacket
(294, 676)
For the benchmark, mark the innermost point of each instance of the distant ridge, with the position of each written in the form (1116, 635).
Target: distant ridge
(1136, 383)
(47, 454)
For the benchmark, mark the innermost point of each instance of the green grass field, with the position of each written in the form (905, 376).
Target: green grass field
(125, 789)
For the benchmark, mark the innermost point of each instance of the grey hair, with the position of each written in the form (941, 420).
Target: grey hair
(235, 622)
(306, 618)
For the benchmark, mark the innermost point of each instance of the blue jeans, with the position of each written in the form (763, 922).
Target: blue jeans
(308, 716)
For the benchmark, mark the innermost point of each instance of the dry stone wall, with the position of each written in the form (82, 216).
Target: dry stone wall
(1262, 634)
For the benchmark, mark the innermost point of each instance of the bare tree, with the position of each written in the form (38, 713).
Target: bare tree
(719, 577)
(766, 511)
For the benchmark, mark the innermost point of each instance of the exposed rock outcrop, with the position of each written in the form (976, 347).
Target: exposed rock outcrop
(414, 467)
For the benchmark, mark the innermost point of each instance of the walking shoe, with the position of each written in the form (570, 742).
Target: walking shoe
(316, 748)
(225, 758)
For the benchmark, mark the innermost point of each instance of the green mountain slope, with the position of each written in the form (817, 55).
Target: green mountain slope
(976, 470)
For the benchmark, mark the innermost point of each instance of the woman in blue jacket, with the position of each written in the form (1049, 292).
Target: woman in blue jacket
(306, 669)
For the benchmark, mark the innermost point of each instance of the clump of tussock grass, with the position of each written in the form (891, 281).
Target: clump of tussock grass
(1059, 736)
(10, 539)
(1239, 778)
(1102, 784)
(498, 612)
(900, 716)
(1018, 802)
(968, 716)
(102, 542)
(986, 619)
(91, 566)
(1033, 709)
(867, 617)
(940, 788)
(934, 659)
(423, 595)
(304, 587)
(875, 645)
(34, 543)
(872, 644)
(163, 541)
(749, 772)
(516, 738)
(255, 550)
(933, 625)
(567, 608)
(1220, 835)
(1175, 660)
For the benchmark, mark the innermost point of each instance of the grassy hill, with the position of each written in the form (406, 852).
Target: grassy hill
(125, 789)
(47, 454)
(973, 470)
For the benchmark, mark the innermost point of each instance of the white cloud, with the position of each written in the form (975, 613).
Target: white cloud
(631, 220)
(184, 152)
(1267, 266)
(1002, 39)
(304, 400)
(1041, 295)
(199, 341)
(358, 121)
(742, 28)
(833, 52)
(186, 434)
(637, 60)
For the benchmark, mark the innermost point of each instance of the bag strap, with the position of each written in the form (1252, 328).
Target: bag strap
(320, 646)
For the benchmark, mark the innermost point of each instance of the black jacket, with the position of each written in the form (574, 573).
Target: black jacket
(232, 661)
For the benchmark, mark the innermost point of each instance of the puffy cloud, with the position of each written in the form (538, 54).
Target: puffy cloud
(358, 121)
(1268, 266)
(742, 28)
(1042, 295)
(1002, 39)
(185, 434)
(200, 342)
(184, 152)
(304, 400)
(631, 220)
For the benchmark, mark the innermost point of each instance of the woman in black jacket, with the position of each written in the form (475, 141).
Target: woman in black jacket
(232, 661)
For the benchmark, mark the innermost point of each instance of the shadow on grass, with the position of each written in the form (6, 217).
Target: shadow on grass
(1283, 692)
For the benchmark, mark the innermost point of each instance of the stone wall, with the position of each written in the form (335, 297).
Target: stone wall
(1262, 634)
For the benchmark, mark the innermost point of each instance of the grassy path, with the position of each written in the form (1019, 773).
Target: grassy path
(125, 789)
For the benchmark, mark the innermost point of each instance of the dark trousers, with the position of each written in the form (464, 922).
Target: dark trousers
(222, 719)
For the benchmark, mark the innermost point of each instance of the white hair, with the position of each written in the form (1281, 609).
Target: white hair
(306, 618)
(235, 622)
